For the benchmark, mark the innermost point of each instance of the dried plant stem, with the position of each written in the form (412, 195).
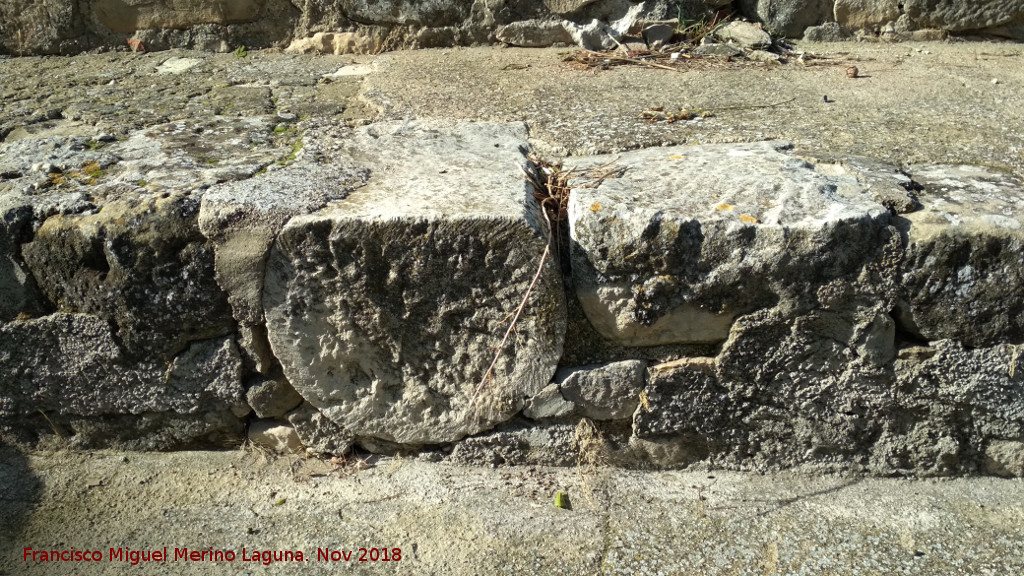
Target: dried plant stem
(515, 318)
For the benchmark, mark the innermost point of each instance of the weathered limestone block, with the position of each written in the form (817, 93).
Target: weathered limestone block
(39, 26)
(867, 14)
(743, 34)
(127, 16)
(243, 218)
(964, 268)
(1005, 458)
(963, 15)
(548, 404)
(140, 264)
(319, 433)
(669, 245)
(882, 181)
(71, 365)
(788, 17)
(387, 308)
(958, 385)
(608, 392)
(272, 397)
(274, 436)
(532, 33)
(406, 12)
(686, 398)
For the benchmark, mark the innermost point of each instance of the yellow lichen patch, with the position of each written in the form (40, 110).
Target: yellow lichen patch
(677, 157)
(595, 207)
(748, 219)
(724, 207)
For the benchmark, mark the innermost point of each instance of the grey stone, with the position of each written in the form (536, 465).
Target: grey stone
(51, 154)
(39, 26)
(272, 397)
(177, 65)
(867, 14)
(827, 32)
(15, 282)
(951, 382)
(789, 18)
(523, 443)
(883, 182)
(274, 436)
(141, 265)
(685, 399)
(355, 312)
(533, 33)
(406, 12)
(72, 366)
(674, 243)
(764, 56)
(964, 15)
(743, 34)
(1005, 458)
(548, 404)
(965, 257)
(243, 218)
(716, 49)
(609, 392)
(591, 36)
(318, 433)
(658, 34)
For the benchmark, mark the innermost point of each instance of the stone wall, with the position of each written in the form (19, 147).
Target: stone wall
(401, 288)
(339, 26)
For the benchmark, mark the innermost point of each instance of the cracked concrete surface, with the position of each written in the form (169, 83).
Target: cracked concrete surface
(471, 520)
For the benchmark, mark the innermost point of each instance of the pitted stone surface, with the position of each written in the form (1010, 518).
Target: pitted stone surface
(387, 308)
(965, 254)
(243, 218)
(72, 365)
(669, 245)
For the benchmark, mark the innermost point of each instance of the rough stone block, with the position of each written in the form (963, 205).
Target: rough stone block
(548, 404)
(318, 433)
(127, 16)
(272, 397)
(788, 17)
(407, 12)
(15, 281)
(964, 265)
(963, 15)
(72, 366)
(141, 264)
(609, 392)
(274, 436)
(685, 399)
(533, 33)
(743, 34)
(1005, 458)
(866, 14)
(670, 245)
(387, 308)
(243, 218)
